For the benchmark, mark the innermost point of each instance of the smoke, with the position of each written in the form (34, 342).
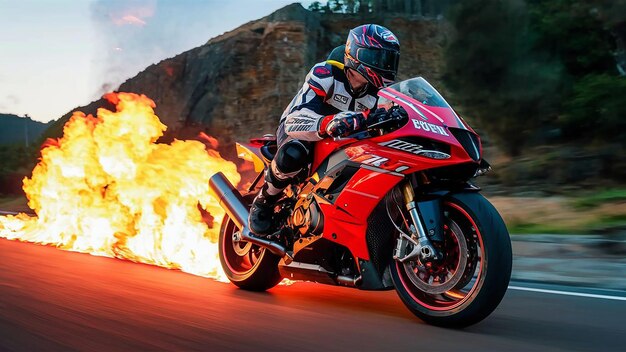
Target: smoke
(137, 33)
(13, 99)
(134, 34)
(9, 102)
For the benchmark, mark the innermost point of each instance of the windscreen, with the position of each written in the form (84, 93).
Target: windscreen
(420, 90)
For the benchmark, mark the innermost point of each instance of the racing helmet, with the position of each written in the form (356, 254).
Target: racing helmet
(373, 51)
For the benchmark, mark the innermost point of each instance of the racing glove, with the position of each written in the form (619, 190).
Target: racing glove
(376, 116)
(395, 114)
(342, 124)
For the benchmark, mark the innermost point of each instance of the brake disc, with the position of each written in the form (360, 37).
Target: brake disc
(432, 286)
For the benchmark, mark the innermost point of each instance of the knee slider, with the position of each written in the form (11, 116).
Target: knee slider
(291, 157)
(274, 181)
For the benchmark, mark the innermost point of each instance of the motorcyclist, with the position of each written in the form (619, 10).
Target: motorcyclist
(334, 101)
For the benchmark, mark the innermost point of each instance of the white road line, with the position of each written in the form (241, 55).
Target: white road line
(566, 293)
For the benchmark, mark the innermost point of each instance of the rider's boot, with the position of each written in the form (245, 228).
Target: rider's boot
(262, 212)
(290, 159)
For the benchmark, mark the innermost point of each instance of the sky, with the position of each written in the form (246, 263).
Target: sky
(56, 55)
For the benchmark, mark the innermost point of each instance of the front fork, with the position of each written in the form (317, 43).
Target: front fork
(417, 243)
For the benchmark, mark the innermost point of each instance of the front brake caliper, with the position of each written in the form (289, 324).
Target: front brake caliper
(403, 245)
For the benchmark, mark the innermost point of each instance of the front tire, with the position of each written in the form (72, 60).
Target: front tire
(480, 275)
(246, 265)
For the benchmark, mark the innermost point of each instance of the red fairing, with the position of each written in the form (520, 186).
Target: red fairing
(364, 150)
(347, 218)
(383, 169)
(383, 166)
(443, 116)
(334, 225)
(324, 148)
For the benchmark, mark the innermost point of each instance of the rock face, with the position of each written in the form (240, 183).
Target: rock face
(237, 85)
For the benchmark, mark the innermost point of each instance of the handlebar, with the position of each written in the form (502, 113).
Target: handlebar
(382, 123)
(396, 115)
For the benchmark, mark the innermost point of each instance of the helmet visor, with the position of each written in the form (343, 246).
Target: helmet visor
(385, 60)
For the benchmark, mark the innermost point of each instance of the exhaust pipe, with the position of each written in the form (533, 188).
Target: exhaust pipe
(231, 201)
(316, 273)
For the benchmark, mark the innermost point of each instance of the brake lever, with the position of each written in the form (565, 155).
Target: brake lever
(377, 125)
(356, 135)
(390, 116)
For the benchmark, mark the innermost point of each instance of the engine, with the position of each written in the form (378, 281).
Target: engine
(307, 218)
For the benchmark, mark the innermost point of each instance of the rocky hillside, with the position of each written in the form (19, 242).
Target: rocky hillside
(237, 84)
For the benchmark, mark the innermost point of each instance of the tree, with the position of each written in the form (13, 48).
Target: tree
(524, 68)
(341, 6)
(596, 110)
(316, 6)
(584, 35)
(336, 5)
(573, 31)
(491, 67)
(364, 6)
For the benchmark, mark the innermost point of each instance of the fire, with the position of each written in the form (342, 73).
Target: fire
(106, 188)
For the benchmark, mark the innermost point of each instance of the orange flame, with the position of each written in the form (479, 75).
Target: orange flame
(107, 188)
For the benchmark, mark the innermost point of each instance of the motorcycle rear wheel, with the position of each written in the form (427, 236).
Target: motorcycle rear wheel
(246, 265)
(477, 266)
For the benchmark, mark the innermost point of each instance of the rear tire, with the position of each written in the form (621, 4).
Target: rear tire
(486, 273)
(248, 266)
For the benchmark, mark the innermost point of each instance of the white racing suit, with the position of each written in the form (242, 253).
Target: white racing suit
(325, 93)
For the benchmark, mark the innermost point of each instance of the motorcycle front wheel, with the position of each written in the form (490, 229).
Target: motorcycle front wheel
(471, 280)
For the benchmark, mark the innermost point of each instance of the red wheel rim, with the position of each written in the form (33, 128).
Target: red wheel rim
(239, 259)
(458, 295)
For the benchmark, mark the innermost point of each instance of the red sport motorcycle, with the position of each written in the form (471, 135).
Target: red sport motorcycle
(388, 207)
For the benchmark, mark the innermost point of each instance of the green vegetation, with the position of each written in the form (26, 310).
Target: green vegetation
(601, 213)
(17, 161)
(610, 221)
(535, 228)
(421, 7)
(15, 157)
(601, 224)
(19, 147)
(599, 198)
(19, 130)
(539, 71)
(529, 72)
(597, 106)
(339, 6)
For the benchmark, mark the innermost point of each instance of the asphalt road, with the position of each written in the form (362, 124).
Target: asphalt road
(56, 300)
